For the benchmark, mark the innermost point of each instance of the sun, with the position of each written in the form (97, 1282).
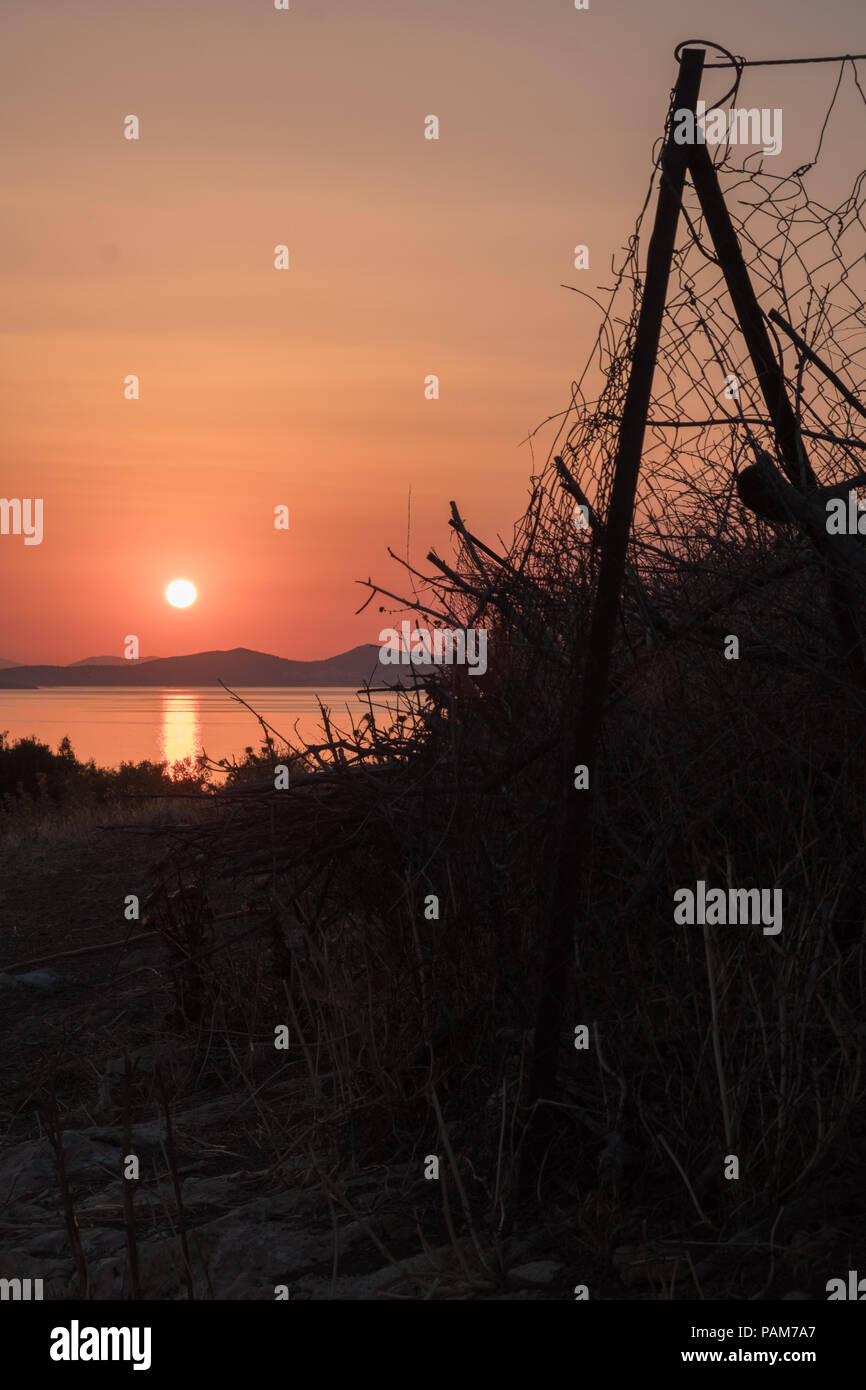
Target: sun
(180, 593)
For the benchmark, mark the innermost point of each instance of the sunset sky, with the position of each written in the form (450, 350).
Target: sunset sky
(408, 256)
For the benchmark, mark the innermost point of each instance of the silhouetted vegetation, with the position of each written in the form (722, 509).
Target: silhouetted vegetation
(403, 883)
(30, 772)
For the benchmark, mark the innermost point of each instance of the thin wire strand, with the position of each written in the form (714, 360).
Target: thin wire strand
(786, 62)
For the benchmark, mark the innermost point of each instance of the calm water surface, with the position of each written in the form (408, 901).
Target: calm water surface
(116, 724)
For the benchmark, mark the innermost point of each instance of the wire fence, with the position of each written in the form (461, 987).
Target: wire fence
(806, 258)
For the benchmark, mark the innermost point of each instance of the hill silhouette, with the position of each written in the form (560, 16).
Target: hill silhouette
(109, 661)
(238, 667)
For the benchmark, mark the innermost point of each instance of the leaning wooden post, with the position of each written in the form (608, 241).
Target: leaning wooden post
(558, 967)
(770, 376)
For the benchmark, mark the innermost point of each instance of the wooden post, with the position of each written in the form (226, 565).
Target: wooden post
(770, 377)
(558, 967)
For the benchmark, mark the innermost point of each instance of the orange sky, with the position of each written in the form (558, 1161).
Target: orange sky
(305, 387)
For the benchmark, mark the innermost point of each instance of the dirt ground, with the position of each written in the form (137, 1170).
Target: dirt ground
(231, 1201)
(223, 1206)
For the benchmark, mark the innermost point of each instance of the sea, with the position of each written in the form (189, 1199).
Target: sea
(115, 724)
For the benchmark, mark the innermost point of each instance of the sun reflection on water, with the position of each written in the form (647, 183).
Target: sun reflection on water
(181, 725)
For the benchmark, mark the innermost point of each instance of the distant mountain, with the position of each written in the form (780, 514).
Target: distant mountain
(110, 661)
(239, 667)
(4, 664)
